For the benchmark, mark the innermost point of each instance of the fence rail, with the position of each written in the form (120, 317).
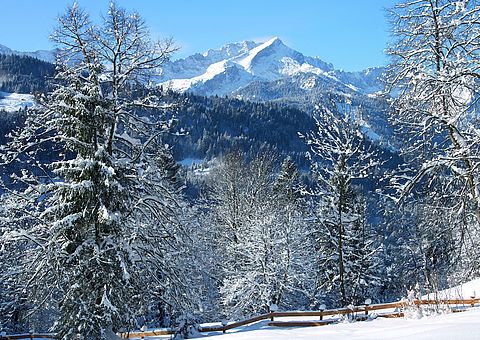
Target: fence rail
(27, 336)
(365, 309)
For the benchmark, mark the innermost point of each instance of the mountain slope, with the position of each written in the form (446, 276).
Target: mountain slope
(24, 74)
(233, 68)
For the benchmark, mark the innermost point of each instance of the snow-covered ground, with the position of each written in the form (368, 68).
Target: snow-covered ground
(188, 162)
(12, 102)
(463, 325)
(465, 291)
(201, 169)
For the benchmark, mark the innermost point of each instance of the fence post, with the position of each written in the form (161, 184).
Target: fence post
(367, 303)
(272, 308)
(322, 308)
(224, 324)
(143, 329)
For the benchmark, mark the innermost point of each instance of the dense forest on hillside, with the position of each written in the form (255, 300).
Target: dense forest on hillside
(215, 124)
(24, 74)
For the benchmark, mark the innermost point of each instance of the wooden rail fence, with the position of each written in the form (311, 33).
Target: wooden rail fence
(363, 310)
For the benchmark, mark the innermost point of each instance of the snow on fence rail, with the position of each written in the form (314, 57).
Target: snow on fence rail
(365, 309)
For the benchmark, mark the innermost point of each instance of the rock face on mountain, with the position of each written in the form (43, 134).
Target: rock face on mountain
(263, 71)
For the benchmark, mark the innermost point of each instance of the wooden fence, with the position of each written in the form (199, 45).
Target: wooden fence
(28, 336)
(358, 312)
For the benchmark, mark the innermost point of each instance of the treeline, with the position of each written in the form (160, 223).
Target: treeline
(206, 127)
(24, 74)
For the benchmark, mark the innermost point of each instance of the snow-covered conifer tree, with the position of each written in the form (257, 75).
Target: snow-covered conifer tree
(343, 241)
(103, 215)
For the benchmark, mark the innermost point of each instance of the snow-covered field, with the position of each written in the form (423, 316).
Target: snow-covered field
(11, 102)
(465, 325)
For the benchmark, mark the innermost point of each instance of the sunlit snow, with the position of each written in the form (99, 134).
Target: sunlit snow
(243, 63)
(12, 102)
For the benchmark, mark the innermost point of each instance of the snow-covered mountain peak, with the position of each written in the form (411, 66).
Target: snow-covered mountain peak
(275, 41)
(5, 50)
(234, 66)
(261, 50)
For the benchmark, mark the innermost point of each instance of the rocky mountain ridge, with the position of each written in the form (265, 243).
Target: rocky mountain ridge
(234, 68)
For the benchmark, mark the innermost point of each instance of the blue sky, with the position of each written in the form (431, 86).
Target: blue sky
(351, 34)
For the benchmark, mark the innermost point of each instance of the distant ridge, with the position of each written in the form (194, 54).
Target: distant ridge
(45, 55)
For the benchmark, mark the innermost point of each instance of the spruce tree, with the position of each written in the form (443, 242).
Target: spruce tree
(339, 157)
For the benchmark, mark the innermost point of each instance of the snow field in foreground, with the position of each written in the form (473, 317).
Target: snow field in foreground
(465, 326)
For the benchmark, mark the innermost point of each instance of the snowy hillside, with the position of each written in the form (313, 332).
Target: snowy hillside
(236, 66)
(11, 102)
(465, 291)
